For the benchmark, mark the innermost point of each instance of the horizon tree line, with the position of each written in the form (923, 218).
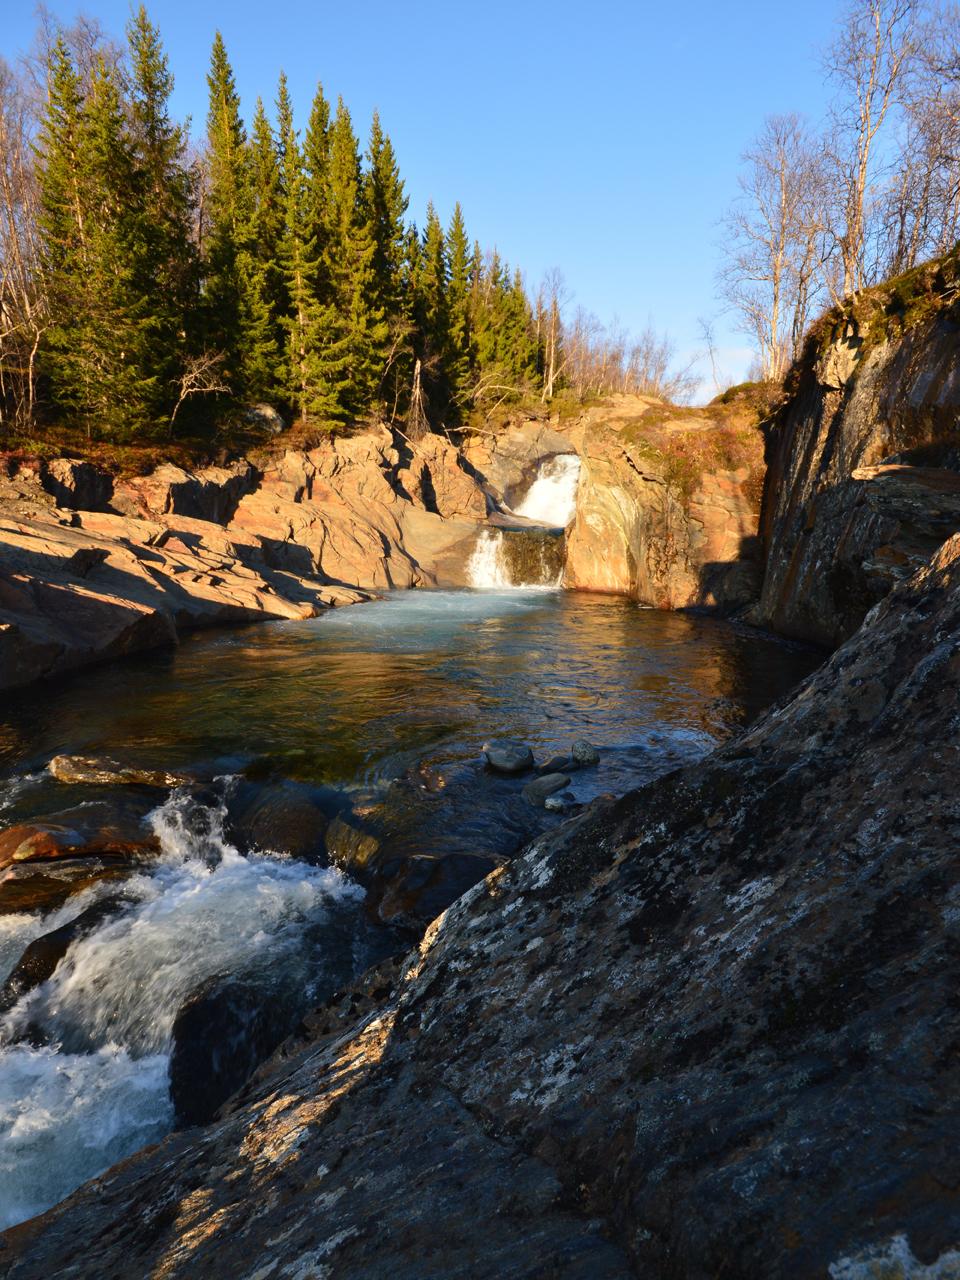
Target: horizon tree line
(145, 282)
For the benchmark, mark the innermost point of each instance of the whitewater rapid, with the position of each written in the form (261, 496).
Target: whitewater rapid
(84, 1057)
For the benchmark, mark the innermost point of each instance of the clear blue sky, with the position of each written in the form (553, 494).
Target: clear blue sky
(600, 137)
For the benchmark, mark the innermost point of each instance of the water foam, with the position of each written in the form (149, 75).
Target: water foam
(552, 498)
(98, 1090)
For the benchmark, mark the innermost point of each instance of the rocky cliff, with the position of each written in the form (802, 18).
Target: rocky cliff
(668, 504)
(93, 568)
(709, 1030)
(863, 478)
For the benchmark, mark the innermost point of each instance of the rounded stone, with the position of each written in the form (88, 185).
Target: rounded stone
(584, 753)
(508, 757)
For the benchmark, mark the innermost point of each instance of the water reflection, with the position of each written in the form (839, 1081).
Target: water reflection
(355, 697)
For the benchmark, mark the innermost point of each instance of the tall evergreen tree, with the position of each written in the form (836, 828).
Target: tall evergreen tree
(458, 354)
(317, 355)
(98, 347)
(348, 258)
(316, 165)
(385, 203)
(267, 200)
(167, 264)
(238, 312)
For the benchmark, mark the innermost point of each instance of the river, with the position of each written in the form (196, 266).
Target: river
(373, 717)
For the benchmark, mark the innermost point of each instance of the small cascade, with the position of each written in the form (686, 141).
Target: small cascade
(530, 556)
(552, 498)
(507, 559)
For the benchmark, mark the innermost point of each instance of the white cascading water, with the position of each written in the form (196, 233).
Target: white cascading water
(487, 568)
(552, 498)
(98, 1089)
(550, 501)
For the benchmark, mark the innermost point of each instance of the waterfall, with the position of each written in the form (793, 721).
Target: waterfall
(510, 559)
(487, 569)
(552, 498)
(505, 559)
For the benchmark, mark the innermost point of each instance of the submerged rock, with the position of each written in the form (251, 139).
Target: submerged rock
(584, 753)
(103, 772)
(349, 846)
(536, 792)
(508, 757)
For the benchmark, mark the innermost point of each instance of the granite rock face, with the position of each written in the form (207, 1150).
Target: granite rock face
(709, 1031)
(661, 514)
(862, 483)
(123, 566)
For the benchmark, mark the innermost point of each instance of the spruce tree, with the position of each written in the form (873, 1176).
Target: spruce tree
(458, 361)
(268, 215)
(238, 313)
(167, 266)
(348, 259)
(385, 205)
(317, 356)
(316, 165)
(98, 348)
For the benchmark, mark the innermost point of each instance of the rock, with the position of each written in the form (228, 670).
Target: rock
(43, 955)
(556, 764)
(416, 892)
(508, 757)
(703, 1031)
(349, 846)
(46, 841)
(556, 804)
(80, 486)
(24, 890)
(862, 484)
(283, 817)
(210, 494)
(584, 753)
(536, 792)
(668, 505)
(221, 1033)
(99, 771)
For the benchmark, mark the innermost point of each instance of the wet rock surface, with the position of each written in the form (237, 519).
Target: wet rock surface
(508, 757)
(708, 1030)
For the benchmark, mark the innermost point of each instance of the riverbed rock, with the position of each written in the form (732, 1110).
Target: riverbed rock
(584, 753)
(508, 757)
(349, 846)
(707, 1030)
(26, 890)
(100, 771)
(48, 840)
(536, 792)
(42, 956)
(556, 764)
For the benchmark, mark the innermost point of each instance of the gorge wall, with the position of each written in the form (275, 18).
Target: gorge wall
(863, 481)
